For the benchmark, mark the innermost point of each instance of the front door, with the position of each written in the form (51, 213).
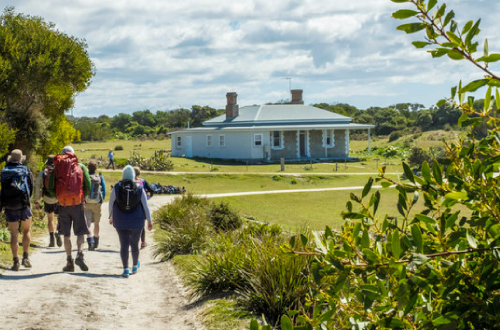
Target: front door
(189, 146)
(302, 144)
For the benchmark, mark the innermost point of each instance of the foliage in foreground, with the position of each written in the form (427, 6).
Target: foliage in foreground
(438, 269)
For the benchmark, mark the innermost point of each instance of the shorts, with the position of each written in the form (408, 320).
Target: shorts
(93, 213)
(51, 208)
(18, 215)
(72, 216)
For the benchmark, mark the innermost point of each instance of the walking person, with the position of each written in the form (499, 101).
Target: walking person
(111, 156)
(149, 194)
(49, 201)
(70, 181)
(17, 188)
(93, 203)
(128, 209)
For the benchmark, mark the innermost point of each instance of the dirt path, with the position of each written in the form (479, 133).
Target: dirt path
(46, 298)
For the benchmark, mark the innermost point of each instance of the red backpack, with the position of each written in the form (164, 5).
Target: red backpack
(69, 180)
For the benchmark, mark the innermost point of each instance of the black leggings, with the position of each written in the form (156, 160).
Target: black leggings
(129, 237)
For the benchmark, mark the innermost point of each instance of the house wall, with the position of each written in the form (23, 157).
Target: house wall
(290, 146)
(319, 151)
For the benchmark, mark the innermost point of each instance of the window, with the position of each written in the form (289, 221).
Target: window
(178, 142)
(209, 141)
(277, 139)
(328, 138)
(257, 140)
(222, 140)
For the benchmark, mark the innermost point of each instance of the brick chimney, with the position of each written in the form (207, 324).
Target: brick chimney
(232, 109)
(297, 96)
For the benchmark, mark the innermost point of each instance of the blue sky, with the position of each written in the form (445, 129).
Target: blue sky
(166, 54)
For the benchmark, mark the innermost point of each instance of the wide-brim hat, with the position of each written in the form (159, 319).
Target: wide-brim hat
(68, 149)
(16, 156)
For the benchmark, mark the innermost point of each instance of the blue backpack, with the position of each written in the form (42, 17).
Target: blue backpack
(15, 189)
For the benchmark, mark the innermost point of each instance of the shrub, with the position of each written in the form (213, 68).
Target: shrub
(119, 147)
(160, 161)
(121, 162)
(395, 135)
(277, 177)
(223, 218)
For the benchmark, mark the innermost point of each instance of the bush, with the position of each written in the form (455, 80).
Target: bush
(223, 218)
(395, 135)
(121, 162)
(118, 148)
(160, 161)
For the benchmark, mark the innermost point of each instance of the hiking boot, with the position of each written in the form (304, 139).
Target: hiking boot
(70, 266)
(52, 242)
(26, 262)
(58, 239)
(81, 263)
(15, 266)
(90, 241)
(96, 242)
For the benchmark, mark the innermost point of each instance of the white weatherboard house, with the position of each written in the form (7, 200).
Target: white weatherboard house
(268, 133)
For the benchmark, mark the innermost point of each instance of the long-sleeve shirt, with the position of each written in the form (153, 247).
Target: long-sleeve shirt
(132, 220)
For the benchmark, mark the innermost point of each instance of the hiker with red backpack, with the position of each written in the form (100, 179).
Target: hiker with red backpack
(70, 181)
(17, 188)
(49, 200)
(128, 208)
(93, 202)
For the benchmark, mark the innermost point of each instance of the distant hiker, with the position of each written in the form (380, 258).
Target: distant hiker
(71, 182)
(93, 203)
(111, 159)
(50, 205)
(149, 193)
(17, 188)
(128, 208)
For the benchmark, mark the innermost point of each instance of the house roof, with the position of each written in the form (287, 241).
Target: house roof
(278, 114)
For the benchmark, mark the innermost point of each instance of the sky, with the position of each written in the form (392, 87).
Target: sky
(169, 54)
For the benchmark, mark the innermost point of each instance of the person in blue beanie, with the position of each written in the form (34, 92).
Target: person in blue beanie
(128, 209)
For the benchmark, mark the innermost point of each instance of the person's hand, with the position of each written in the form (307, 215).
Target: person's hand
(150, 225)
(111, 221)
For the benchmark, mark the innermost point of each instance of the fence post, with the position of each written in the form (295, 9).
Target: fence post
(282, 164)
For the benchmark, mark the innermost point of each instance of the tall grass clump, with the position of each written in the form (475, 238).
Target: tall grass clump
(185, 227)
(224, 218)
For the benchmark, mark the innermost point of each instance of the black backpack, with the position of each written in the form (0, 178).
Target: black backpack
(15, 188)
(128, 195)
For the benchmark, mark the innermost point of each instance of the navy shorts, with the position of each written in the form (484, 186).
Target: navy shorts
(72, 216)
(18, 215)
(51, 208)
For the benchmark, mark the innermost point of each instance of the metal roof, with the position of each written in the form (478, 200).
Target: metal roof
(281, 114)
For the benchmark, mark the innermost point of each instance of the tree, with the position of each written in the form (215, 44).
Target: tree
(435, 268)
(41, 70)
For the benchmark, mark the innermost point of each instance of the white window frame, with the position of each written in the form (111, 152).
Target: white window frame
(178, 142)
(258, 142)
(328, 134)
(222, 140)
(281, 142)
(209, 140)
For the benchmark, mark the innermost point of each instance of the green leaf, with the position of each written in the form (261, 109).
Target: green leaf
(471, 240)
(439, 52)
(440, 11)
(286, 324)
(396, 245)
(473, 86)
(441, 102)
(436, 171)
(493, 82)
(365, 240)
(431, 4)
(254, 325)
(487, 100)
(486, 48)
(467, 27)
(385, 184)
(417, 238)
(420, 44)
(448, 18)
(497, 99)
(411, 27)
(425, 218)
(418, 258)
(404, 13)
(426, 171)
(371, 256)
(408, 172)
(400, 1)
(455, 54)
(454, 38)
(457, 195)
(453, 92)
(367, 187)
(473, 32)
